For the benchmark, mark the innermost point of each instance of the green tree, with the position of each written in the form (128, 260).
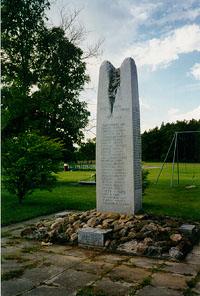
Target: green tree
(43, 75)
(156, 142)
(29, 161)
(87, 150)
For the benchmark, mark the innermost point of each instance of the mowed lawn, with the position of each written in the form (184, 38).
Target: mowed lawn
(68, 195)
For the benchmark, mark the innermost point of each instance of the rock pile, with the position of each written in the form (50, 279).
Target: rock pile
(147, 234)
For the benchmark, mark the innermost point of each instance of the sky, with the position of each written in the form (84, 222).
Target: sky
(162, 36)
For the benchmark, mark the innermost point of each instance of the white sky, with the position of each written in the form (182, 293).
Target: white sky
(162, 36)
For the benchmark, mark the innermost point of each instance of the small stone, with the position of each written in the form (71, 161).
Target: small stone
(39, 224)
(147, 241)
(176, 237)
(59, 220)
(140, 217)
(99, 226)
(141, 248)
(91, 222)
(107, 221)
(103, 216)
(132, 234)
(154, 251)
(55, 225)
(124, 239)
(69, 231)
(63, 238)
(113, 216)
(76, 224)
(149, 227)
(72, 219)
(117, 227)
(107, 243)
(52, 232)
(74, 237)
(122, 232)
(130, 224)
(175, 253)
(29, 232)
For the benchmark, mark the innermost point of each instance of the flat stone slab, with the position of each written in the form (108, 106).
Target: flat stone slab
(153, 291)
(187, 228)
(92, 237)
(62, 214)
(87, 182)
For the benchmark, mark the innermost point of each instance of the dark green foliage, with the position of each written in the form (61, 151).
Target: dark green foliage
(156, 142)
(87, 150)
(145, 181)
(42, 74)
(29, 161)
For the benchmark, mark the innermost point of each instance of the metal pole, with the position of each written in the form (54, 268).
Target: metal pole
(165, 159)
(174, 159)
(177, 160)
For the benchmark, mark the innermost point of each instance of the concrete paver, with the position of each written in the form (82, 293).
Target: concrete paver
(16, 286)
(64, 270)
(164, 279)
(154, 291)
(129, 274)
(113, 288)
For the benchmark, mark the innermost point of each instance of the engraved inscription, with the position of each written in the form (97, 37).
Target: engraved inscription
(113, 163)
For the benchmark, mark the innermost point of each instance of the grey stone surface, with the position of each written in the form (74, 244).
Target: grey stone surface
(62, 214)
(112, 288)
(45, 290)
(129, 274)
(92, 236)
(174, 280)
(72, 280)
(187, 228)
(15, 286)
(119, 180)
(158, 291)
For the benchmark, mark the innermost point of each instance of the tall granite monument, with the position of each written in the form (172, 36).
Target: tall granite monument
(118, 154)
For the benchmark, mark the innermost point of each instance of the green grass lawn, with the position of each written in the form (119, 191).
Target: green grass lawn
(177, 200)
(161, 198)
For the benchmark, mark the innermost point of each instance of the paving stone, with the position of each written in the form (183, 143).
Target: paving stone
(15, 286)
(170, 280)
(111, 258)
(10, 265)
(96, 267)
(65, 261)
(193, 258)
(80, 252)
(157, 291)
(72, 280)
(45, 290)
(181, 268)
(56, 249)
(196, 250)
(128, 274)
(40, 274)
(112, 288)
(145, 262)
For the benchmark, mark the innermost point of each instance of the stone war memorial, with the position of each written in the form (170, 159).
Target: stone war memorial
(118, 152)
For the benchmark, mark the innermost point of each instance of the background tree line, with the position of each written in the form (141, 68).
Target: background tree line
(156, 142)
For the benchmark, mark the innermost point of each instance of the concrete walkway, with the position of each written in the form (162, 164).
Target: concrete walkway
(30, 269)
